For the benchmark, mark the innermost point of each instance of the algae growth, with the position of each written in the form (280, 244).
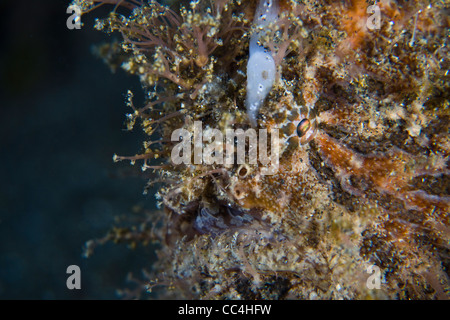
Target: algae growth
(360, 107)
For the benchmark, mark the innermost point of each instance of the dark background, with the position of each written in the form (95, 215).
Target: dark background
(62, 119)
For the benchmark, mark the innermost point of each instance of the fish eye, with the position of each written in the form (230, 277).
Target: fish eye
(303, 127)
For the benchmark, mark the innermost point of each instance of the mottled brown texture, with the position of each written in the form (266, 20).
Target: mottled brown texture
(371, 185)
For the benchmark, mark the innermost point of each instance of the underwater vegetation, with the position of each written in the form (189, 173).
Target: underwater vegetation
(358, 94)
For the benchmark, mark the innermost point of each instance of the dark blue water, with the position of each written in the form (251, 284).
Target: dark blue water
(61, 121)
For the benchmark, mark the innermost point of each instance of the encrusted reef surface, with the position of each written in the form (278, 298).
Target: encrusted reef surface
(359, 205)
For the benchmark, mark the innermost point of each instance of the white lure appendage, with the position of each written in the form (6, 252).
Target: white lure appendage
(260, 77)
(261, 67)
